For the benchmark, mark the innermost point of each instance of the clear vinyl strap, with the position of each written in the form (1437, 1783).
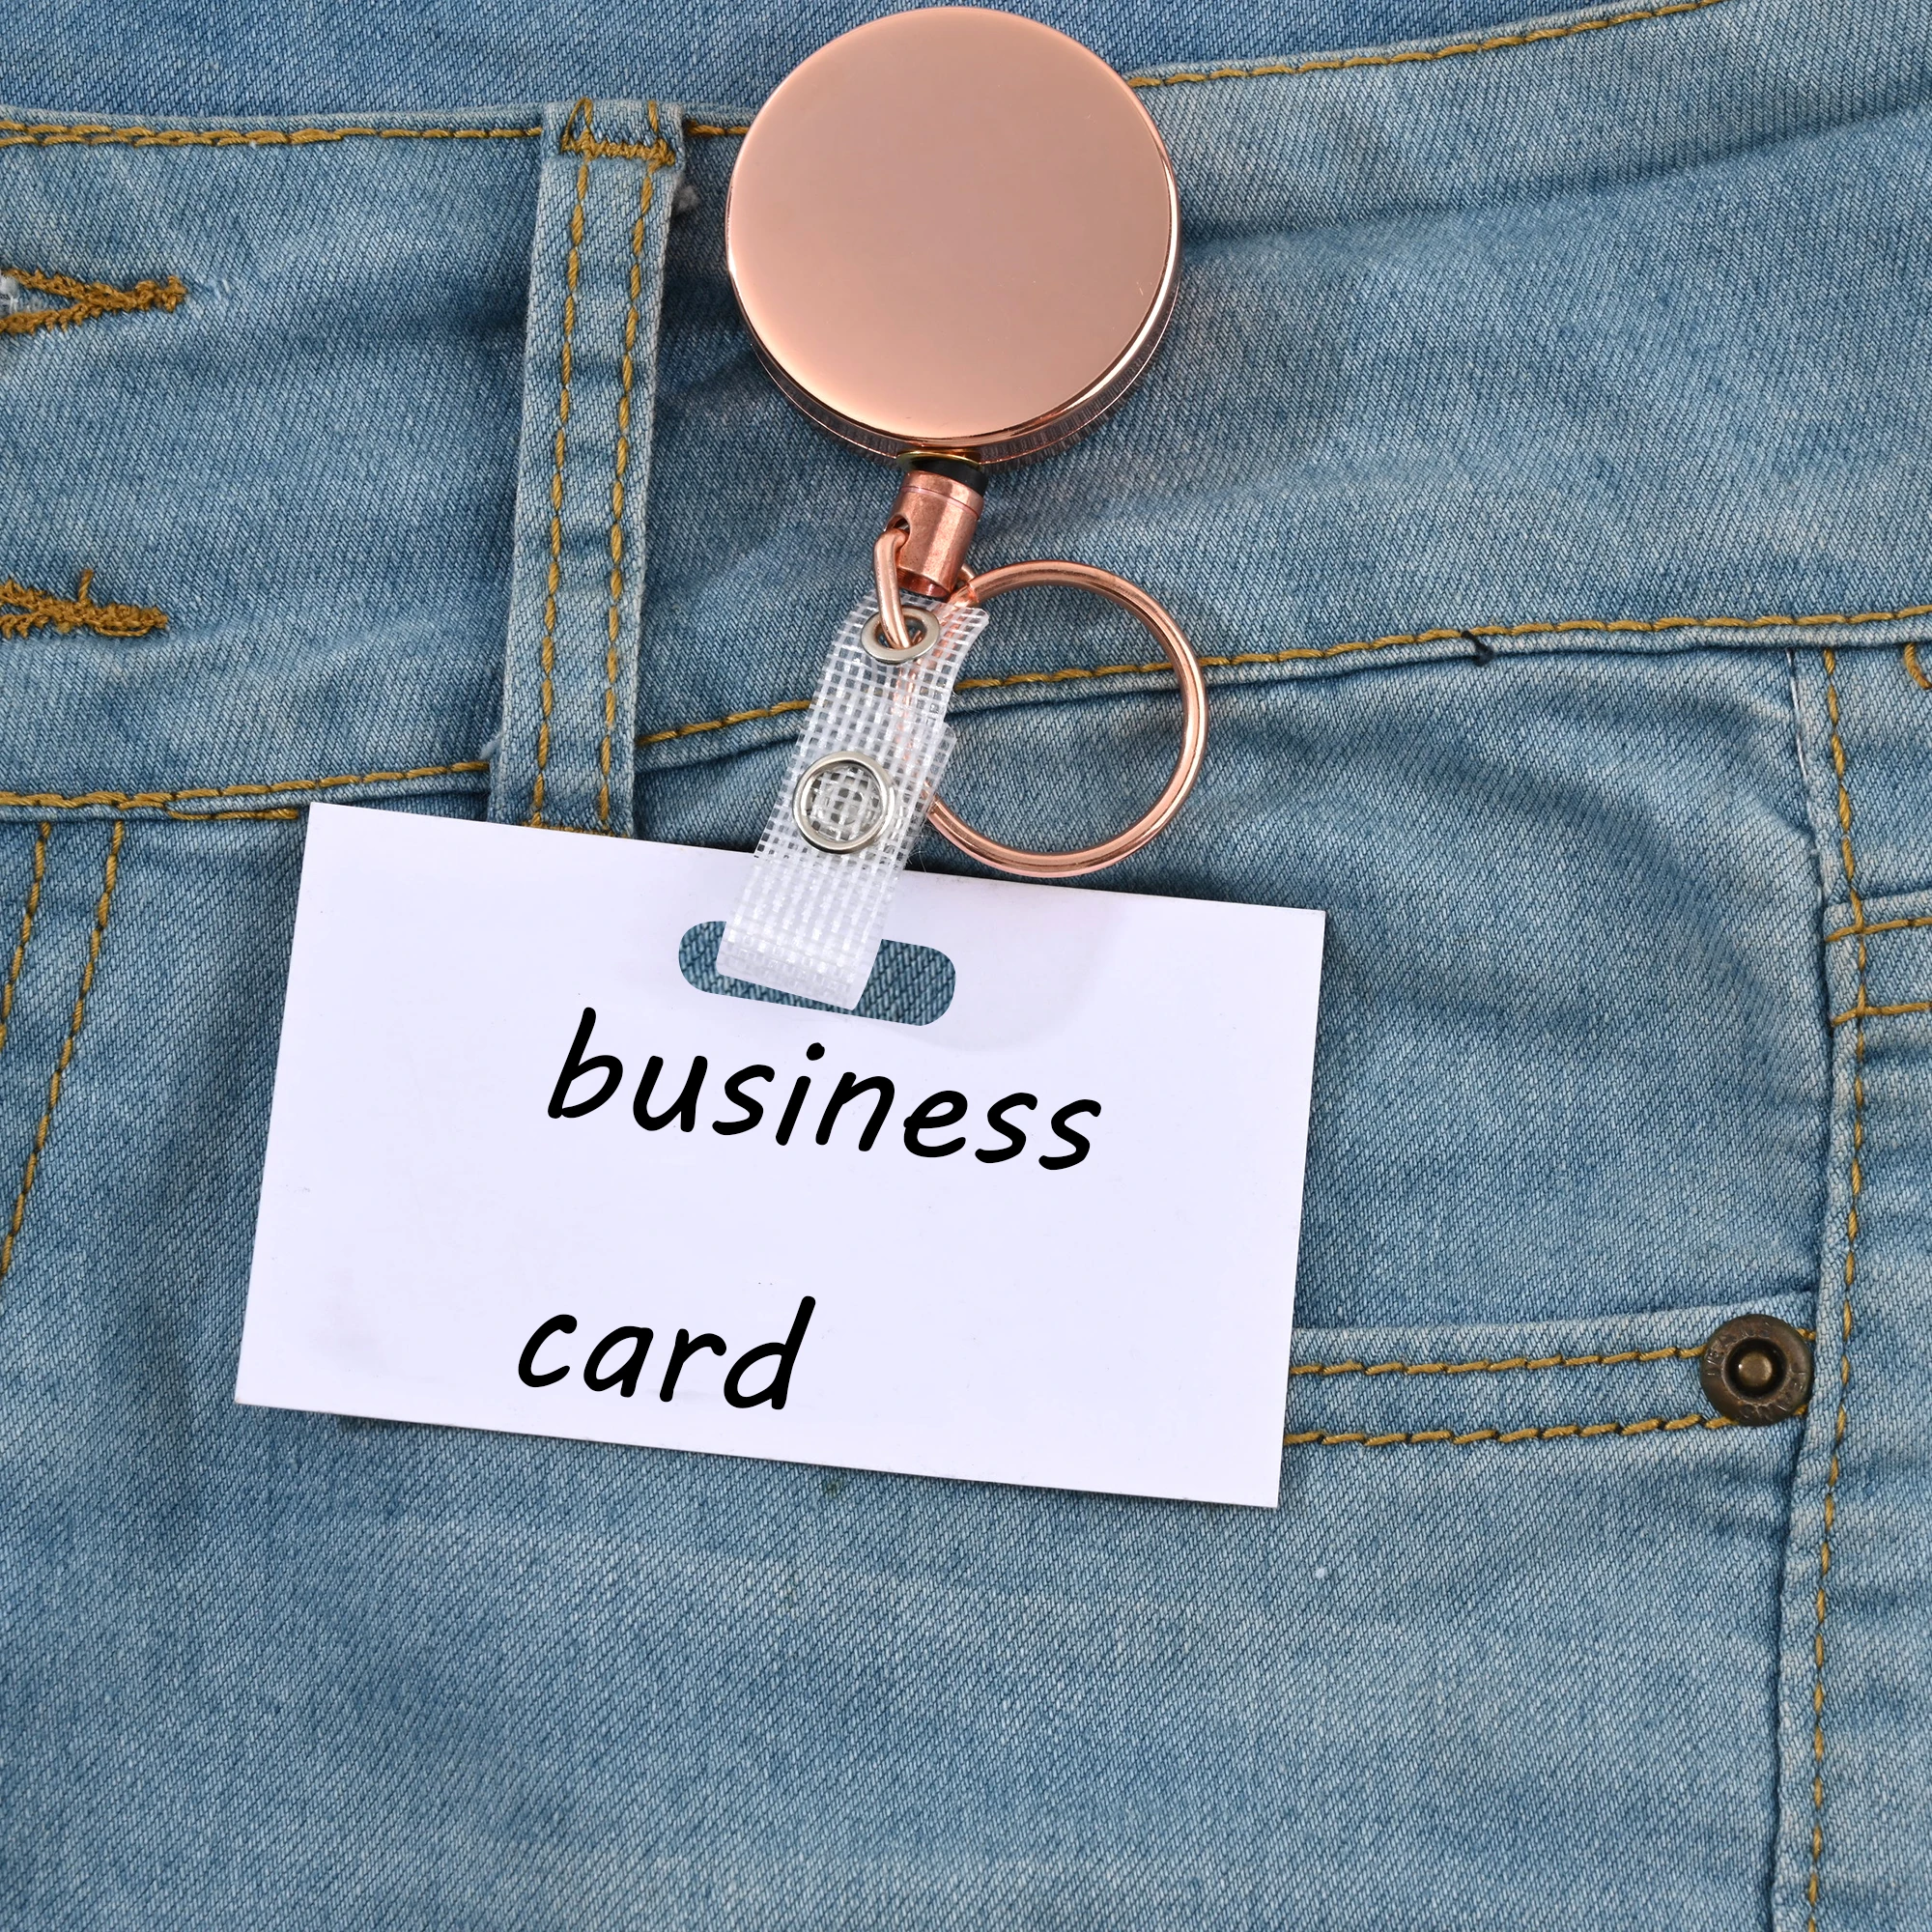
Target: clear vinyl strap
(876, 743)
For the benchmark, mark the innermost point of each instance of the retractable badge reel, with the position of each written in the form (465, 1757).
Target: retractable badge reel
(954, 236)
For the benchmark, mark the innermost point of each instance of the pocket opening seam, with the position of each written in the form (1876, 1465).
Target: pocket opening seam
(1562, 1431)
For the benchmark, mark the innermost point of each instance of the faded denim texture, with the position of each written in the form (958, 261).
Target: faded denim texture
(1538, 461)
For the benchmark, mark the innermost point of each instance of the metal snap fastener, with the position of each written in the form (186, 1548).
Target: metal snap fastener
(845, 803)
(1757, 1369)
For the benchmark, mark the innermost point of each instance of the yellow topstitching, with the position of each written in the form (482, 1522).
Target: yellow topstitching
(149, 801)
(33, 906)
(1561, 1432)
(86, 301)
(547, 647)
(1855, 1190)
(657, 155)
(24, 608)
(1337, 63)
(1493, 44)
(1865, 1011)
(1687, 1352)
(584, 140)
(102, 908)
(1305, 653)
(1860, 926)
(101, 134)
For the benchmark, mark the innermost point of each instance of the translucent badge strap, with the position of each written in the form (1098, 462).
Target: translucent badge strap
(874, 745)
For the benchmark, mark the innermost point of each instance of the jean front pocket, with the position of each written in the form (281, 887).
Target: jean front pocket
(1525, 1651)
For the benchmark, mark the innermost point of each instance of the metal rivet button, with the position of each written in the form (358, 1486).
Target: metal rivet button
(845, 803)
(1757, 1369)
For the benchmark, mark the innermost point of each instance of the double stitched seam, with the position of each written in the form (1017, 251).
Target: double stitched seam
(656, 155)
(1854, 1192)
(33, 906)
(103, 906)
(24, 608)
(103, 134)
(1302, 654)
(547, 649)
(1688, 1352)
(1337, 63)
(1562, 1431)
(86, 301)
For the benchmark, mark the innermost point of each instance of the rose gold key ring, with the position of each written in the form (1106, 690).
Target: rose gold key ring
(1131, 598)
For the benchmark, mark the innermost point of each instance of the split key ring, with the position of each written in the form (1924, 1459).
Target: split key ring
(1131, 598)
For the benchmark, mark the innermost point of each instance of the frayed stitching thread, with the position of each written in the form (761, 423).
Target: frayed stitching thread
(86, 301)
(1314, 653)
(24, 608)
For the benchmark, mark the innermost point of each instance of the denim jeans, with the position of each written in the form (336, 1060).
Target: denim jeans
(1537, 462)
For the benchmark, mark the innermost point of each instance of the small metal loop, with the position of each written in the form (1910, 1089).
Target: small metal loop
(925, 623)
(1131, 598)
(886, 581)
(861, 811)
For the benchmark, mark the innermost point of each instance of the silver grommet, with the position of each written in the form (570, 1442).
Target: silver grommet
(918, 619)
(844, 802)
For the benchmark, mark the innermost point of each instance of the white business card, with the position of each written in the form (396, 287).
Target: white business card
(522, 1174)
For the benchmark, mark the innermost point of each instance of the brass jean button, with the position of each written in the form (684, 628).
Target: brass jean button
(1757, 1369)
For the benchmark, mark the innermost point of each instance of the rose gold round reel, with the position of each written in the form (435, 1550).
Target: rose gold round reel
(954, 230)
(954, 236)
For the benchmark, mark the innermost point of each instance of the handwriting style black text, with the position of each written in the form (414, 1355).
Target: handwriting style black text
(617, 1362)
(587, 1080)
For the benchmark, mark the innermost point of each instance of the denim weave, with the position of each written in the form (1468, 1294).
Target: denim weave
(1538, 462)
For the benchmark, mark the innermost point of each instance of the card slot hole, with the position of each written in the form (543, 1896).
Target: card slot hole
(911, 985)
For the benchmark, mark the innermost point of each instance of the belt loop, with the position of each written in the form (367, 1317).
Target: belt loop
(570, 674)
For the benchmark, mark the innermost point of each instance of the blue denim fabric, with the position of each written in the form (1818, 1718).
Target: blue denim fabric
(1537, 458)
